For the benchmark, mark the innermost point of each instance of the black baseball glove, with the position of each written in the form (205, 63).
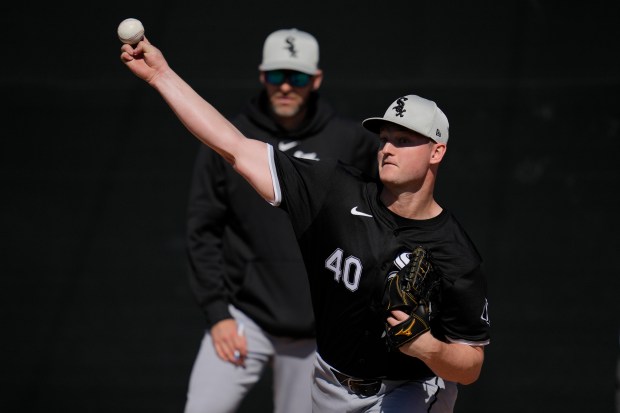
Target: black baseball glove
(410, 290)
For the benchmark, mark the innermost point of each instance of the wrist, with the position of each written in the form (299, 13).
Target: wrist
(425, 347)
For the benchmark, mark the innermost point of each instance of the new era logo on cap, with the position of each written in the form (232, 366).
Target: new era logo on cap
(290, 49)
(415, 113)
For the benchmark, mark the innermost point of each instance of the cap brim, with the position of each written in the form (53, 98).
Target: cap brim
(374, 124)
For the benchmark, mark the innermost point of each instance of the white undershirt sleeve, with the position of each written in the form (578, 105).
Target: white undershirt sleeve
(277, 191)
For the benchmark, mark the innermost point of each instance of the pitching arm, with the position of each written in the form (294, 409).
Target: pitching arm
(247, 156)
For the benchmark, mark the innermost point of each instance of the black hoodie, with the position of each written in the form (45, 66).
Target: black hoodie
(242, 250)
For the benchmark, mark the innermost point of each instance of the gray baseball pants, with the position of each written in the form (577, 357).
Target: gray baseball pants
(216, 386)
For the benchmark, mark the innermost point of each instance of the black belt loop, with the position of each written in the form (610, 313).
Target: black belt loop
(361, 387)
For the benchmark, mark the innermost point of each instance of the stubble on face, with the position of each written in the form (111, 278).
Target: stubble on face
(286, 105)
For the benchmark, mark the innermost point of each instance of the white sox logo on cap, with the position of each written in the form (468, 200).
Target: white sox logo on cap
(400, 106)
(290, 46)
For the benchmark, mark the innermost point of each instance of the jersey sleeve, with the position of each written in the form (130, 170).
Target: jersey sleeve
(301, 186)
(464, 316)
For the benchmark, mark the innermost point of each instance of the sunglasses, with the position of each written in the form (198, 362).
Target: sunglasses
(293, 78)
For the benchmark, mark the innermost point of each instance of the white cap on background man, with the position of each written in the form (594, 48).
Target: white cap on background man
(291, 49)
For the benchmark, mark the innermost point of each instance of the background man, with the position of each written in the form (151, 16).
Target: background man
(246, 269)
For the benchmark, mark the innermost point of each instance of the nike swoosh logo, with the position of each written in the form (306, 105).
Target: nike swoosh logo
(354, 211)
(285, 146)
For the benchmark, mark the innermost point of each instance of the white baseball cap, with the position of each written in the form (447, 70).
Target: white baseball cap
(291, 49)
(415, 113)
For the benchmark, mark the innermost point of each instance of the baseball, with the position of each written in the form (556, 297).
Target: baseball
(130, 31)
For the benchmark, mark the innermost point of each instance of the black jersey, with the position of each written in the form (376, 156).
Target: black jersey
(350, 241)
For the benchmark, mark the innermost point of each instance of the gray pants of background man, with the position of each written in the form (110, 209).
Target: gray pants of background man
(431, 396)
(217, 386)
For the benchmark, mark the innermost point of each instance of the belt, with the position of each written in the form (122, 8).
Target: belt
(361, 387)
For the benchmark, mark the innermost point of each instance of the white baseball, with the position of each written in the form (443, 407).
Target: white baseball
(130, 31)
